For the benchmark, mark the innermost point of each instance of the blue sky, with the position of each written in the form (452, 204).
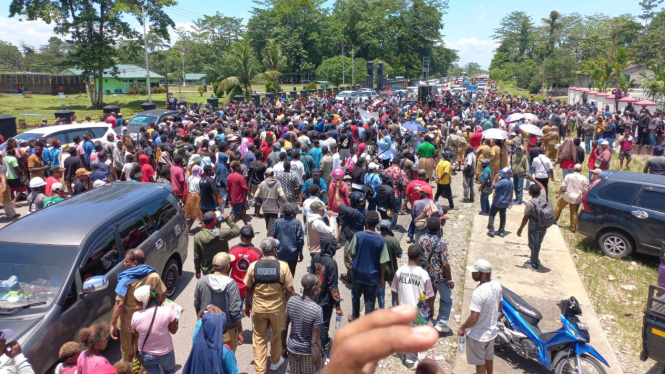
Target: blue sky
(468, 26)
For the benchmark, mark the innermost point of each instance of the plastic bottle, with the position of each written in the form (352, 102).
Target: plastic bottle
(338, 322)
(460, 344)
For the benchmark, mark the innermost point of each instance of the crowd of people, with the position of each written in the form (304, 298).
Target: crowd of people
(350, 170)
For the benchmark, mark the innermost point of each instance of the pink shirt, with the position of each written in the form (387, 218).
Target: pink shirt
(85, 364)
(177, 180)
(159, 342)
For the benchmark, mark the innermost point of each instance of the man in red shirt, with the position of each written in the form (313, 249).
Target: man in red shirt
(245, 253)
(178, 177)
(56, 175)
(475, 139)
(237, 190)
(411, 194)
(111, 120)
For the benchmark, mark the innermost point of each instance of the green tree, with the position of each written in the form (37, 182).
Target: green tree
(95, 26)
(242, 67)
(331, 70)
(274, 62)
(648, 10)
(11, 58)
(515, 35)
(551, 29)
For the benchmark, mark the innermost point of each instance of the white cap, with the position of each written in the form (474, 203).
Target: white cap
(98, 183)
(480, 266)
(373, 166)
(37, 182)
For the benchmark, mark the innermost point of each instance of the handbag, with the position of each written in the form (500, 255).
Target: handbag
(137, 361)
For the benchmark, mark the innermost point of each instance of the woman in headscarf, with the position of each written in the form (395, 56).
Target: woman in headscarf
(154, 326)
(209, 353)
(194, 159)
(567, 156)
(324, 267)
(192, 208)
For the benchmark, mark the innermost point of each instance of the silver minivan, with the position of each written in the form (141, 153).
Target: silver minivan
(60, 265)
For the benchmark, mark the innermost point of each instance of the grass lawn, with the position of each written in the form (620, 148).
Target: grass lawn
(620, 310)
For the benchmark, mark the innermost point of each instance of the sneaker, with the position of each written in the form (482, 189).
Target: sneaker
(276, 366)
(502, 234)
(490, 234)
(442, 328)
(528, 261)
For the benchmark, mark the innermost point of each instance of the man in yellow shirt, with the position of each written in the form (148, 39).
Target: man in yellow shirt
(269, 284)
(443, 180)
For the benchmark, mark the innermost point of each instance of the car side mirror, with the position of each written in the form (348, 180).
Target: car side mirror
(94, 284)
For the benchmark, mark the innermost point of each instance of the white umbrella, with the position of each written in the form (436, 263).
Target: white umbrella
(514, 117)
(531, 116)
(532, 129)
(496, 134)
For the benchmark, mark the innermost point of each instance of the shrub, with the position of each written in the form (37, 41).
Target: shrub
(158, 90)
(201, 90)
(311, 86)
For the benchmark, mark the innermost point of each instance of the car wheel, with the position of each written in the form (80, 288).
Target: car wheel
(615, 244)
(170, 277)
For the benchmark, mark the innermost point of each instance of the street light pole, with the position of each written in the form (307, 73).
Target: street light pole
(353, 69)
(343, 82)
(147, 63)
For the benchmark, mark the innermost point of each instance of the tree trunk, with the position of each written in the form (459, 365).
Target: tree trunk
(93, 94)
(100, 90)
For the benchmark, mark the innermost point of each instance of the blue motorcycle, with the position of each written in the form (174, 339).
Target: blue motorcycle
(563, 351)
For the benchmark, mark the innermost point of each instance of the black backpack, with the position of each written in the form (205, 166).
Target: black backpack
(368, 191)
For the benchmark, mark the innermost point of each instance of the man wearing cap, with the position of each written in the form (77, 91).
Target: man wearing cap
(56, 195)
(269, 195)
(82, 181)
(212, 239)
(12, 360)
(656, 163)
(220, 290)
(604, 155)
(573, 187)
(372, 178)
(97, 174)
(37, 196)
(503, 191)
(270, 283)
(316, 227)
(480, 327)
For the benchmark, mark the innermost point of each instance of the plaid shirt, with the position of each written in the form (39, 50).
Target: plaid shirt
(394, 172)
(435, 268)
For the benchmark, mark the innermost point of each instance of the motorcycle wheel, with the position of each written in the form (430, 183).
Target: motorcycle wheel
(589, 365)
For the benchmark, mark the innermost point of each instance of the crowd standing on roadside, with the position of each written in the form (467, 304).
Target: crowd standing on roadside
(351, 169)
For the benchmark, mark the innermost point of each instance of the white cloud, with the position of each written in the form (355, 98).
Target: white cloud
(482, 16)
(33, 33)
(473, 50)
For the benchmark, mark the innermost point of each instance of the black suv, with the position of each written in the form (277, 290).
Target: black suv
(625, 212)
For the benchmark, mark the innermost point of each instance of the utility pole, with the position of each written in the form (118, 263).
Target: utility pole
(182, 50)
(343, 81)
(147, 63)
(166, 77)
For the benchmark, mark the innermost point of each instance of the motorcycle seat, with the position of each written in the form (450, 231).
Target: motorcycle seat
(520, 305)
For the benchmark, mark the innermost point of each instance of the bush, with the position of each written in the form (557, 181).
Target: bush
(535, 85)
(143, 90)
(158, 90)
(270, 85)
(311, 86)
(201, 90)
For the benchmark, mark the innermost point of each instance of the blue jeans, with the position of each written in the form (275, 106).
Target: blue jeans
(381, 297)
(591, 175)
(566, 172)
(598, 136)
(368, 292)
(223, 195)
(652, 138)
(532, 171)
(485, 203)
(445, 303)
(518, 184)
(398, 207)
(412, 229)
(587, 141)
(152, 363)
(371, 204)
(535, 241)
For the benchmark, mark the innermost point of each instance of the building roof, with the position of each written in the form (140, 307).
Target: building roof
(635, 67)
(125, 71)
(195, 77)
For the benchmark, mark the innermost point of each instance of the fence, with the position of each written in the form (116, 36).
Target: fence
(41, 83)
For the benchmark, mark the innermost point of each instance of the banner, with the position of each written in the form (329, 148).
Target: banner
(366, 116)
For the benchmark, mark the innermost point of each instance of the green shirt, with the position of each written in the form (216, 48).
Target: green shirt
(208, 243)
(394, 251)
(10, 162)
(521, 164)
(52, 200)
(426, 150)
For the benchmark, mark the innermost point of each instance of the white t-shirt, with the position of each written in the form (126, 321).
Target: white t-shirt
(414, 286)
(543, 165)
(485, 300)
(470, 160)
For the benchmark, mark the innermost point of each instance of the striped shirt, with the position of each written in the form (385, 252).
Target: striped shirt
(485, 299)
(304, 315)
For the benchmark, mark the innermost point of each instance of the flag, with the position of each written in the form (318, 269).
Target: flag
(182, 48)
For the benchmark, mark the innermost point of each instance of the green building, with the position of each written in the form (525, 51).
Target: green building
(127, 76)
(196, 79)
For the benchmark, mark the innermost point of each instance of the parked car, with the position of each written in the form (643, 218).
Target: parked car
(58, 254)
(625, 213)
(65, 133)
(349, 96)
(386, 94)
(143, 119)
(653, 325)
(367, 95)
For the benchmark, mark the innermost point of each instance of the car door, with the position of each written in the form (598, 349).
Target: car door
(134, 232)
(612, 205)
(165, 231)
(103, 257)
(649, 209)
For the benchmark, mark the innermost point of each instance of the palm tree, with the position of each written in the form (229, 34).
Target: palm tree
(621, 61)
(241, 66)
(274, 62)
(552, 27)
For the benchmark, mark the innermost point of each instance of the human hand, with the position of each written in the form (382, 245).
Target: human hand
(360, 344)
(212, 309)
(451, 285)
(241, 337)
(114, 332)
(519, 232)
(460, 332)
(14, 349)
(225, 217)
(285, 352)
(198, 275)
(331, 213)
(247, 311)
(300, 257)
(339, 311)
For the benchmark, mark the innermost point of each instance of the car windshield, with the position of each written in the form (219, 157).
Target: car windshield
(366, 93)
(344, 94)
(32, 276)
(27, 136)
(143, 120)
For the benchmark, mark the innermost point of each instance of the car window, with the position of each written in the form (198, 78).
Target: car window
(61, 136)
(103, 257)
(134, 231)
(80, 132)
(622, 193)
(143, 120)
(98, 132)
(160, 212)
(652, 198)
